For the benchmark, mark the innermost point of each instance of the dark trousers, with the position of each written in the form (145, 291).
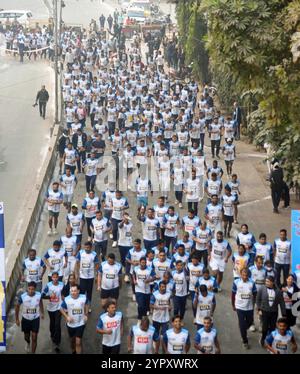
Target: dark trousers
(115, 350)
(88, 224)
(281, 269)
(86, 287)
(42, 107)
(286, 195)
(193, 205)
(143, 303)
(90, 182)
(276, 196)
(237, 132)
(80, 161)
(268, 320)
(149, 244)
(123, 250)
(111, 128)
(170, 241)
(245, 321)
(193, 293)
(215, 147)
(55, 328)
(115, 227)
(101, 248)
(178, 196)
(179, 305)
(202, 136)
(291, 319)
(203, 255)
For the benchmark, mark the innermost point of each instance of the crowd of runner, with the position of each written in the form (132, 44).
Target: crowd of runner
(132, 118)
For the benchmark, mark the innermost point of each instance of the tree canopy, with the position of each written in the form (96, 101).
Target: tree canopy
(253, 47)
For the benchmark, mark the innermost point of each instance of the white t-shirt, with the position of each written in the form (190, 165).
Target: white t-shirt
(111, 323)
(110, 275)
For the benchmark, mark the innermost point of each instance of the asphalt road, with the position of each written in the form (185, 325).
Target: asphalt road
(250, 168)
(76, 11)
(255, 193)
(24, 135)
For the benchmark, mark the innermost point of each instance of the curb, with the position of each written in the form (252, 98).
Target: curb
(33, 208)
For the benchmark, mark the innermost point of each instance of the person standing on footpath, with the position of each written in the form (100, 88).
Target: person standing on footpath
(277, 185)
(42, 97)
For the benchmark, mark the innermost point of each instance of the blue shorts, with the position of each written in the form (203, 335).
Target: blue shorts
(160, 327)
(143, 200)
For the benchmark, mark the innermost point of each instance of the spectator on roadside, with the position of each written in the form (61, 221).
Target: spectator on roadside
(277, 185)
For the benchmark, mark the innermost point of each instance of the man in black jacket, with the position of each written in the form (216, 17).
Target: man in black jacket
(102, 21)
(237, 117)
(62, 145)
(78, 140)
(268, 299)
(277, 185)
(42, 97)
(110, 21)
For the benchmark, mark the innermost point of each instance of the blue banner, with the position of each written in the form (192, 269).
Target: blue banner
(295, 240)
(2, 283)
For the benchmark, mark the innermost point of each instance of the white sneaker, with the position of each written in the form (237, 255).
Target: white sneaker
(133, 298)
(180, 206)
(49, 232)
(176, 202)
(126, 279)
(111, 236)
(55, 231)
(27, 347)
(114, 244)
(252, 328)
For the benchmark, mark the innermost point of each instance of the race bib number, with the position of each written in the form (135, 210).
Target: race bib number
(31, 311)
(110, 276)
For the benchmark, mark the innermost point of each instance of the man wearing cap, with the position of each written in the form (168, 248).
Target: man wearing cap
(229, 153)
(277, 185)
(75, 221)
(56, 260)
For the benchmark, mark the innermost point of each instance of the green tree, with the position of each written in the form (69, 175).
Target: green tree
(254, 48)
(193, 30)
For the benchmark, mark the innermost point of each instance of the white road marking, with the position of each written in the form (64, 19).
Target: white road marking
(254, 202)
